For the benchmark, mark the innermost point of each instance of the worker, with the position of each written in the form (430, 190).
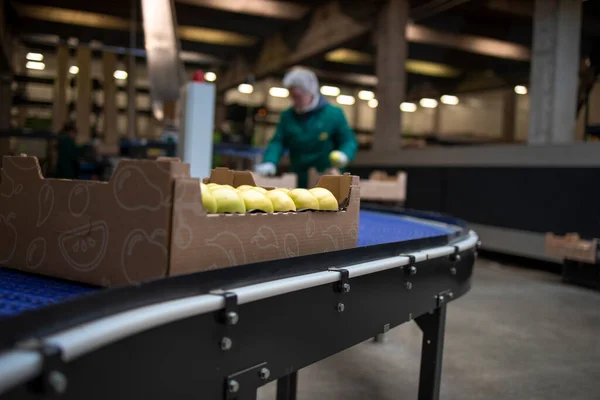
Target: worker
(315, 133)
(68, 153)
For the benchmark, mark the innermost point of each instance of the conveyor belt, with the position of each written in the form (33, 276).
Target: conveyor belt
(226, 332)
(20, 292)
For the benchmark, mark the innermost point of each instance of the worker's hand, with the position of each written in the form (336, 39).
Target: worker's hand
(338, 159)
(265, 169)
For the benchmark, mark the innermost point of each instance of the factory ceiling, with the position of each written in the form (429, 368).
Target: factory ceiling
(449, 40)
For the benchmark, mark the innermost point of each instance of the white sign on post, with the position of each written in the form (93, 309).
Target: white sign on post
(195, 142)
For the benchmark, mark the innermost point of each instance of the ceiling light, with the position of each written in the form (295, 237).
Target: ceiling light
(366, 95)
(450, 100)
(330, 90)
(120, 74)
(246, 88)
(428, 103)
(408, 107)
(73, 69)
(34, 56)
(35, 65)
(373, 103)
(345, 100)
(519, 89)
(279, 92)
(210, 77)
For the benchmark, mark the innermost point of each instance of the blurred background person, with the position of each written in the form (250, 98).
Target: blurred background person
(316, 133)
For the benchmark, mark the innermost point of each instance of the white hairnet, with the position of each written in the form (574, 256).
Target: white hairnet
(304, 79)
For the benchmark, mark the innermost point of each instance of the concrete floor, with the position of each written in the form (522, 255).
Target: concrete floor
(518, 334)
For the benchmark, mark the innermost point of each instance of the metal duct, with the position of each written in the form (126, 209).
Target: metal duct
(165, 70)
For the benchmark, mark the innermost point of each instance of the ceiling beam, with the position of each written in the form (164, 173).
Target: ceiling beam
(419, 67)
(187, 57)
(469, 43)
(104, 21)
(522, 8)
(329, 28)
(262, 8)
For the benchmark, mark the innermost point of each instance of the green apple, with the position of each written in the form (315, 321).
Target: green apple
(284, 190)
(260, 189)
(208, 200)
(304, 199)
(228, 201)
(281, 201)
(256, 201)
(327, 201)
(335, 157)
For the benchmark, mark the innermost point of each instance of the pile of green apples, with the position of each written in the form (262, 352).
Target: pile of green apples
(227, 199)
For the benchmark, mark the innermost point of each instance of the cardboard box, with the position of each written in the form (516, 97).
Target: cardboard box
(382, 187)
(286, 180)
(148, 222)
(571, 247)
(379, 187)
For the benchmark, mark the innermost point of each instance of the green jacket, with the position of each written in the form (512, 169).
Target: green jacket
(310, 138)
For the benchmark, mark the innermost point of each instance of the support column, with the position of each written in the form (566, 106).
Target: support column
(220, 111)
(109, 65)
(131, 98)
(357, 106)
(391, 74)
(554, 71)
(5, 101)
(59, 101)
(437, 119)
(83, 105)
(509, 116)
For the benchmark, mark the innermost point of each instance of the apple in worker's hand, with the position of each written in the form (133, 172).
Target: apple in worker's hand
(327, 201)
(304, 199)
(281, 201)
(256, 201)
(338, 159)
(228, 200)
(208, 200)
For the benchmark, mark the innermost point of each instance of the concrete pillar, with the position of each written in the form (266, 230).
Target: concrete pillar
(83, 106)
(220, 111)
(355, 123)
(554, 71)
(437, 118)
(391, 74)
(169, 110)
(509, 116)
(109, 65)
(131, 98)
(5, 101)
(59, 100)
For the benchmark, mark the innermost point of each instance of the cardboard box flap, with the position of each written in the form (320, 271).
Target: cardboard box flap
(17, 171)
(339, 186)
(225, 176)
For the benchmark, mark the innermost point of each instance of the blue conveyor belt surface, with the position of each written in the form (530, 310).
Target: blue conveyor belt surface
(20, 292)
(378, 228)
